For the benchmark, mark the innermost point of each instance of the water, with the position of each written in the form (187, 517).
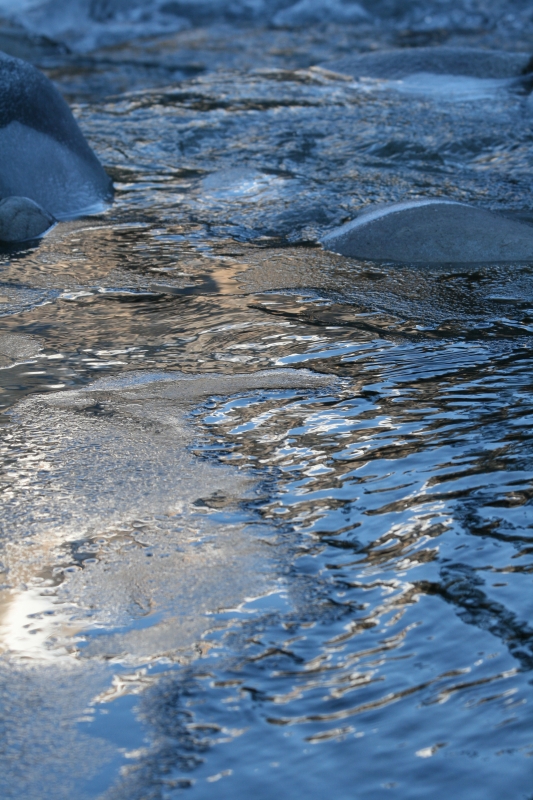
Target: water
(218, 582)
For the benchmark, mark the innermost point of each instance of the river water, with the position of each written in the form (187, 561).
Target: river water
(266, 523)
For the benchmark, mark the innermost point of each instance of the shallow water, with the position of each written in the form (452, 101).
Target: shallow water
(217, 581)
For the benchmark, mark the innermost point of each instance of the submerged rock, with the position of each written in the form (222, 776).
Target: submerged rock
(466, 61)
(308, 12)
(44, 154)
(22, 219)
(432, 231)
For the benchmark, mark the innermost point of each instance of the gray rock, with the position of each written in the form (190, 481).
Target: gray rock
(432, 231)
(467, 61)
(44, 154)
(309, 12)
(22, 219)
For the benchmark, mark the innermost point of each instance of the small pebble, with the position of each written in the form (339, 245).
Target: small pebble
(22, 219)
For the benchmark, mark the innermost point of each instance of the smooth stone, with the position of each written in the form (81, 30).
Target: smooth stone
(309, 12)
(432, 231)
(466, 61)
(44, 154)
(22, 219)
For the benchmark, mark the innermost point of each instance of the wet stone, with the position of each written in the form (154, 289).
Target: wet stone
(306, 12)
(44, 154)
(432, 231)
(22, 219)
(466, 61)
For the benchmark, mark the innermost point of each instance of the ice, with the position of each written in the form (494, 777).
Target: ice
(451, 88)
(16, 347)
(110, 465)
(121, 560)
(241, 183)
(40, 711)
(136, 436)
(17, 299)
(44, 154)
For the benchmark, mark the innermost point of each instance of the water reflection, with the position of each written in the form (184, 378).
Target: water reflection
(277, 589)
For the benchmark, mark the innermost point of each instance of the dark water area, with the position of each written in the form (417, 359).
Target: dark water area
(266, 524)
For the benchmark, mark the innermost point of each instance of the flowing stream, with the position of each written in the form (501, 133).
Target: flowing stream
(266, 525)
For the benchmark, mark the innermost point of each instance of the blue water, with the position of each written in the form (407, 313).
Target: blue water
(266, 589)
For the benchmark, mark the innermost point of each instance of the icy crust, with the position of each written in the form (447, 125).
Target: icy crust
(121, 562)
(17, 347)
(45, 156)
(133, 431)
(117, 481)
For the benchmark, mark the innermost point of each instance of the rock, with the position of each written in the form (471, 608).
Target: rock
(16, 41)
(432, 231)
(45, 156)
(22, 219)
(466, 61)
(308, 12)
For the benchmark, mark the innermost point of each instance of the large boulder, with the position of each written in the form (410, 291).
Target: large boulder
(466, 61)
(432, 231)
(44, 154)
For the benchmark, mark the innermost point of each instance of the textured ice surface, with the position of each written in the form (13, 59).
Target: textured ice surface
(44, 154)
(114, 463)
(451, 88)
(41, 712)
(133, 432)
(123, 556)
(17, 347)
(15, 299)
(433, 231)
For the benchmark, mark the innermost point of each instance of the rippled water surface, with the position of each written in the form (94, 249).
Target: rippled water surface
(266, 524)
